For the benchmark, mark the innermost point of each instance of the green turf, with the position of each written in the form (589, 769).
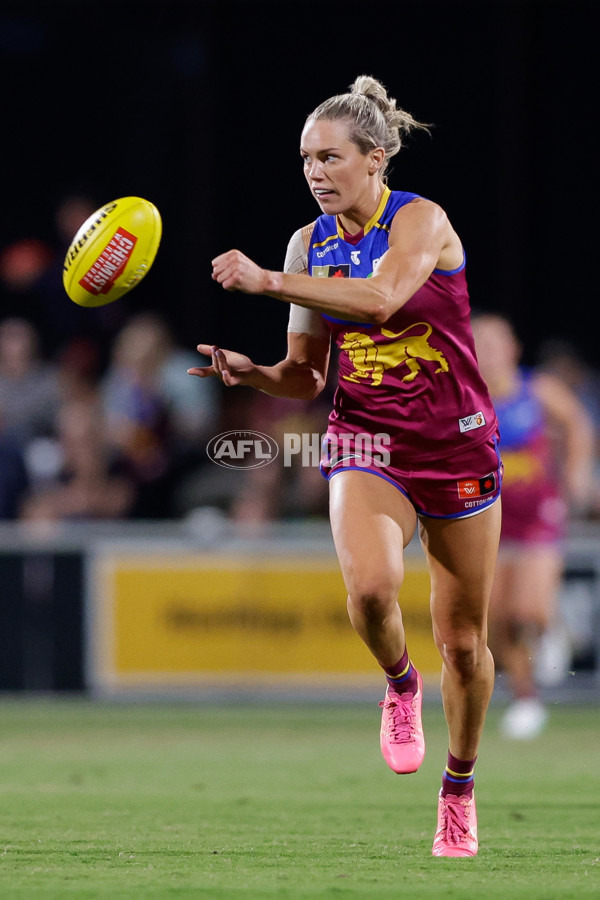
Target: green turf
(160, 801)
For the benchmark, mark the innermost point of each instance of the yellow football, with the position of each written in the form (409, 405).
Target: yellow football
(112, 251)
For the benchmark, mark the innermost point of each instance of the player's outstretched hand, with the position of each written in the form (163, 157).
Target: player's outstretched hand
(235, 272)
(231, 367)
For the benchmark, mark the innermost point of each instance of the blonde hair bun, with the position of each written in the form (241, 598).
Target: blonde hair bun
(374, 119)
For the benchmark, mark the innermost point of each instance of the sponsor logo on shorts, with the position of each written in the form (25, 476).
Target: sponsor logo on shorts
(476, 487)
(468, 423)
(110, 264)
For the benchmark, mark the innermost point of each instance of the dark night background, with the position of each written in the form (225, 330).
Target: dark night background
(198, 106)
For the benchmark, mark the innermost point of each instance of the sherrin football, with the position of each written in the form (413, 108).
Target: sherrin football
(112, 251)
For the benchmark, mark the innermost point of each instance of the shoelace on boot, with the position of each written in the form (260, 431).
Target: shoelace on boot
(400, 725)
(457, 820)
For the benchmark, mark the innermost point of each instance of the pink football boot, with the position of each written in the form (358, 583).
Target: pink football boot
(456, 833)
(401, 738)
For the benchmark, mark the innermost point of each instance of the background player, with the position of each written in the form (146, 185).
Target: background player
(407, 370)
(547, 451)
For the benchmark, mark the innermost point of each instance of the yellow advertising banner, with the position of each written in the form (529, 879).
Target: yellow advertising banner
(178, 618)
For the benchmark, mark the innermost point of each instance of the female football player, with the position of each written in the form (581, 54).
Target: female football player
(412, 435)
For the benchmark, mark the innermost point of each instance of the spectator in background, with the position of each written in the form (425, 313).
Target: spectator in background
(547, 449)
(29, 387)
(89, 482)
(153, 417)
(79, 366)
(193, 413)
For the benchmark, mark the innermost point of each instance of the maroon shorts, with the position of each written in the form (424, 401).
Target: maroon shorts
(533, 514)
(462, 485)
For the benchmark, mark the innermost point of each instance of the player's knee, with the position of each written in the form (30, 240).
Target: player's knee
(462, 661)
(373, 602)
(462, 654)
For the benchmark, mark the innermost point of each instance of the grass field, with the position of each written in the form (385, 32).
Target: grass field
(160, 801)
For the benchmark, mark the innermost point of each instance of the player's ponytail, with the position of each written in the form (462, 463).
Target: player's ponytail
(374, 119)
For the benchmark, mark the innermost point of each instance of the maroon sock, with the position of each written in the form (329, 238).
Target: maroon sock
(458, 776)
(402, 678)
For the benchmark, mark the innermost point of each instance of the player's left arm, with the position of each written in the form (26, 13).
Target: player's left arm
(576, 434)
(421, 239)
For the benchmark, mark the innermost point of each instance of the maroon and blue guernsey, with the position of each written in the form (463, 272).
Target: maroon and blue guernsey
(416, 376)
(533, 510)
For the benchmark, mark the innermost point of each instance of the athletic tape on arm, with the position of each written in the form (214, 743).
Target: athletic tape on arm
(302, 321)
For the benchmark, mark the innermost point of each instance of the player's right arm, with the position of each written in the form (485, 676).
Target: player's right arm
(303, 372)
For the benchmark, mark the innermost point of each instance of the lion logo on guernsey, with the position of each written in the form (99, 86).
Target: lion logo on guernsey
(370, 360)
